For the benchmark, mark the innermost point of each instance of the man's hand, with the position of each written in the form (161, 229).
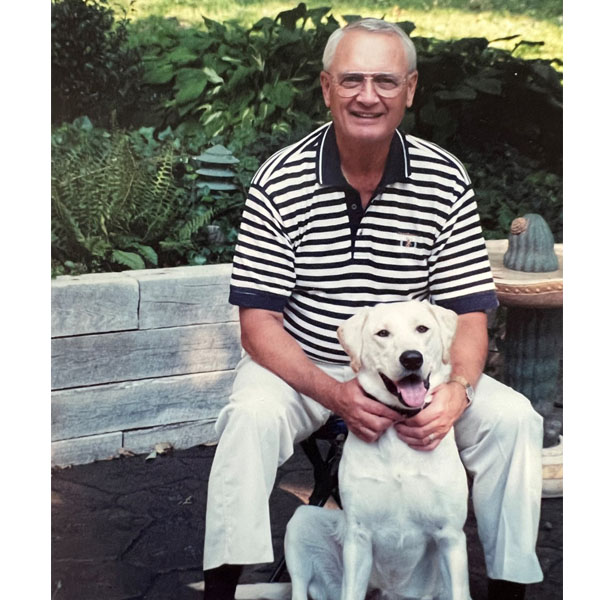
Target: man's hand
(468, 355)
(426, 430)
(365, 417)
(269, 344)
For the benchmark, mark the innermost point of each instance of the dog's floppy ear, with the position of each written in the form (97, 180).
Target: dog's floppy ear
(447, 321)
(350, 335)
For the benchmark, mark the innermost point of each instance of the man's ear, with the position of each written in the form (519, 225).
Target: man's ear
(447, 322)
(326, 87)
(350, 335)
(411, 86)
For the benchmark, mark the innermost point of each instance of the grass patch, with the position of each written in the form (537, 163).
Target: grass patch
(531, 20)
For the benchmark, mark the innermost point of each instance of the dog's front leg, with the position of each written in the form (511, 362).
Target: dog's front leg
(454, 565)
(357, 562)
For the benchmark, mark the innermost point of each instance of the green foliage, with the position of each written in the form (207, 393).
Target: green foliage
(228, 79)
(442, 19)
(470, 94)
(111, 206)
(93, 70)
(254, 87)
(509, 185)
(136, 199)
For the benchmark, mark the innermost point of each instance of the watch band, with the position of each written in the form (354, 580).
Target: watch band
(459, 379)
(468, 388)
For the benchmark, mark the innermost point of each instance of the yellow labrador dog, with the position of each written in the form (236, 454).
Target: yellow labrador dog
(399, 535)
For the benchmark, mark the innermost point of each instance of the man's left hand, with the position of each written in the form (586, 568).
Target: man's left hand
(426, 430)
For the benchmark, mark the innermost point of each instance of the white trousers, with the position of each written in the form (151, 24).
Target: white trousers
(499, 437)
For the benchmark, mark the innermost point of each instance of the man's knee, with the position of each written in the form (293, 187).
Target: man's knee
(252, 414)
(500, 413)
(514, 417)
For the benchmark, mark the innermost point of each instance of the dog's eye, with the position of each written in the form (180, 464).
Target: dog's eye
(383, 333)
(421, 329)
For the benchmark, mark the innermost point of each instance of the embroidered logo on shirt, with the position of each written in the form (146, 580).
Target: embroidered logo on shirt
(408, 241)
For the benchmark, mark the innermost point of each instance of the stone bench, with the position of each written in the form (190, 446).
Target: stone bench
(139, 358)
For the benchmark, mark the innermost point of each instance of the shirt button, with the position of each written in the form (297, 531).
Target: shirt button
(354, 206)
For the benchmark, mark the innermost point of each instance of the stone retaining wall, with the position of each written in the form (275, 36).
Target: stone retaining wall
(139, 358)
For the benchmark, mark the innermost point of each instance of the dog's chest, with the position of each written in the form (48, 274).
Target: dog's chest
(388, 487)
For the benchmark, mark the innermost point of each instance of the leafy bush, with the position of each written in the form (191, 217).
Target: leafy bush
(133, 199)
(239, 84)
(227, 79)
(108, 205)
(472, 95)
(93, 69)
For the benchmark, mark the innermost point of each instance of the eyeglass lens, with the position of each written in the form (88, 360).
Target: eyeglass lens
(350, 84)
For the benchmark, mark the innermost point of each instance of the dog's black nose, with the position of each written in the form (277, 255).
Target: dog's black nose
(411, 360)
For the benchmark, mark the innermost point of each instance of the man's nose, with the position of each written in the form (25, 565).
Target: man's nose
(367, 93)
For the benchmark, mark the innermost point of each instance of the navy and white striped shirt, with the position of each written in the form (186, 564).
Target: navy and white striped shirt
(307, 249)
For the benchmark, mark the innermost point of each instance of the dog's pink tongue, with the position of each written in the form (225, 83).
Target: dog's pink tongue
(413, 394)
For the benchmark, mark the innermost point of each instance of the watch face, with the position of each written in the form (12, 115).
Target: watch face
(470, 393)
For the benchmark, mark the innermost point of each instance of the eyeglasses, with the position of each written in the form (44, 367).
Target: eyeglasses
(385, 84)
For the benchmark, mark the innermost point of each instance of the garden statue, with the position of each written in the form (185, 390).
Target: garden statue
(529, 283)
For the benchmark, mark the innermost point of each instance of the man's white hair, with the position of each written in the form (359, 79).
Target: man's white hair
(373, 26)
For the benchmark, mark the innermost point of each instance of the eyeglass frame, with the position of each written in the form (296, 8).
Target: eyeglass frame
(366, 76)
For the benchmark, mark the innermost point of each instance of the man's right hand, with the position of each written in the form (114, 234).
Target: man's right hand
(366, 418)
(269, 344)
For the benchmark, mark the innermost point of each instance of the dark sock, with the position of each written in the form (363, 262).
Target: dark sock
(499, 589)
(220, 583)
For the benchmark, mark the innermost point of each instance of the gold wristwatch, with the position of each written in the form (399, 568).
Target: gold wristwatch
(468, 388)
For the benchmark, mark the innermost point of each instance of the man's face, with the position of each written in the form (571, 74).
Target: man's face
(367, 116)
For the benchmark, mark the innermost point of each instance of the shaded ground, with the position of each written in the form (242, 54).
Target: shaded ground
(130, 528)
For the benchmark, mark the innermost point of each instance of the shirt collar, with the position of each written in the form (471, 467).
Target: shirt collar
(329, 173)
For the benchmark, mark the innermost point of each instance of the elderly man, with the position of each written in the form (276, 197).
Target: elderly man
(355, 214)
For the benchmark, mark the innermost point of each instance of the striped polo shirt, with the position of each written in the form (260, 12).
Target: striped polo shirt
(307, 249)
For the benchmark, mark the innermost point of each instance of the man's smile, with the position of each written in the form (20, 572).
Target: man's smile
(365, 115)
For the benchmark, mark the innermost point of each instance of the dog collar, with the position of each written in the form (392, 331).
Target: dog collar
(405, 412)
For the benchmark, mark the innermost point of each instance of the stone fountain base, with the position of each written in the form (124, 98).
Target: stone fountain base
(533, 348)
(553, 471)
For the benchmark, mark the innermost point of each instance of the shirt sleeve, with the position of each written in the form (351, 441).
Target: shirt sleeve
(263, 273)
(460, 276)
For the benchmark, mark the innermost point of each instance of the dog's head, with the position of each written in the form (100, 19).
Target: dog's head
(399, 350)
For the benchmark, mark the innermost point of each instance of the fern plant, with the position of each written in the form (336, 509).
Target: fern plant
(111, 207)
